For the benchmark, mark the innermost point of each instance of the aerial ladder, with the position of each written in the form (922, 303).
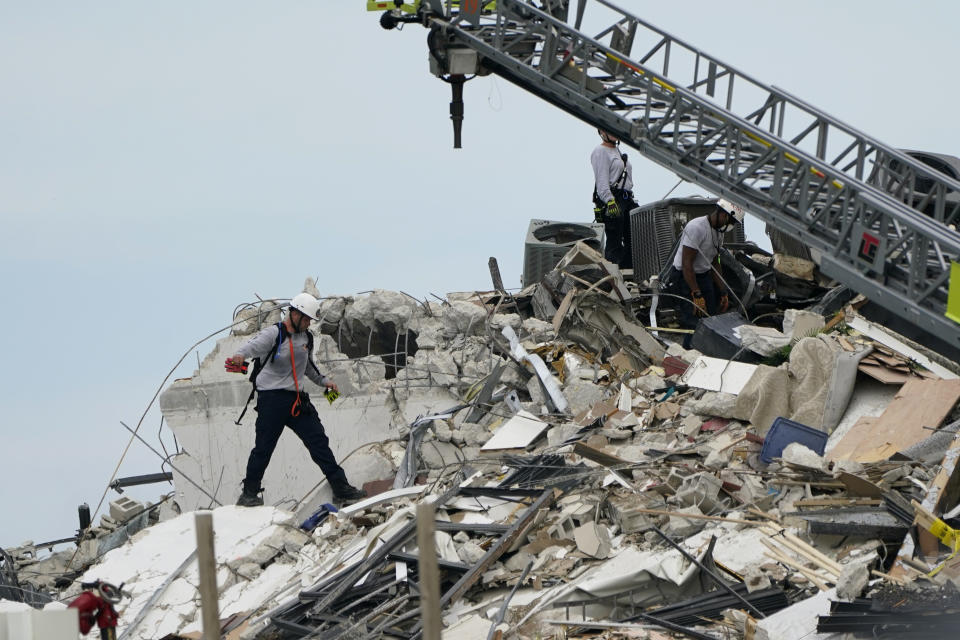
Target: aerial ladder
(881, 220)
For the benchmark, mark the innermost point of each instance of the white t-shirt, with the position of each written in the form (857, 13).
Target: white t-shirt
(607, 166)
(699, 235)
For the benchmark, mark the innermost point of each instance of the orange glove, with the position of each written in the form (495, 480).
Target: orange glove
(699, 304)
(724, 303)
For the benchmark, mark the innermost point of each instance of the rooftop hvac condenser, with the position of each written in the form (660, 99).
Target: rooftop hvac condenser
(548, 241)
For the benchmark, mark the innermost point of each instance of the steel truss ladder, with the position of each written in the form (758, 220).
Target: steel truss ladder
(841, 192)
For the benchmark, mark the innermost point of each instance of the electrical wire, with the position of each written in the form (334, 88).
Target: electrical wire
(135, 431)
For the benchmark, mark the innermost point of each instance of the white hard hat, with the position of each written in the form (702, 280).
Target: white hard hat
(734, 210)
(306, 304)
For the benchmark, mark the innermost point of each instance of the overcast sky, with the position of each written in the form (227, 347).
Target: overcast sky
(161, 163)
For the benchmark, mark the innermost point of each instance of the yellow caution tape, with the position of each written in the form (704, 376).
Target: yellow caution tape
(948, 536)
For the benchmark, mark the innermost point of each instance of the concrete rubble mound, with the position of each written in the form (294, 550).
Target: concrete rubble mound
(588, 477)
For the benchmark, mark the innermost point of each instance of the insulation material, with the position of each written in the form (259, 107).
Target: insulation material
(798, 392)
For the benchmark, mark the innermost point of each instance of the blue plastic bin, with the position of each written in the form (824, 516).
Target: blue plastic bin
(783, 432)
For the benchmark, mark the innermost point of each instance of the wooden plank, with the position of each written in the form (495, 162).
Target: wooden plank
(428, 572)
(563, 310)
(207, 566)
(883, 374)
(838, 502)
(919, 403)
(600, 457)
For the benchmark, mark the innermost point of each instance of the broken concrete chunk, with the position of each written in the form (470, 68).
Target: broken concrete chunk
(464, 318)
(755, 579)
(649, 384)
(796, 453)
(252, 319)
(581, 395)
(718, 458)
(701, 490)
(593, 539)
(625, 513)
(501, 320)
(383, 307)
(538, 330)
(666, 410)
(561, 433)
(535, 389)
(853, 580)
(753, 491)
(470, 553)
(793, 266)
(799, 324)
(690, 425)
(331, 311)
(721, 405)
(474, 435)
(518, 561)
(679, 526)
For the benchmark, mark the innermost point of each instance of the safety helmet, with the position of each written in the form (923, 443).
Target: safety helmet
(606, 136)
(306, 304)
(735, 211)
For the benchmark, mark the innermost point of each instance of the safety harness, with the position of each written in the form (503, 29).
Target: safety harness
(616, 188)
(260, 363)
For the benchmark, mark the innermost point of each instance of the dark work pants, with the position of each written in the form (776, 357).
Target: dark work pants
(273, 414)
(688, 313)
(617, 248)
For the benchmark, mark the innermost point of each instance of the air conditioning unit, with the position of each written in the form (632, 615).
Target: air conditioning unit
(655, 229)
(549, 240)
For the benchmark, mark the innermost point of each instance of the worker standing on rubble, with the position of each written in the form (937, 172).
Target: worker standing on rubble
(696, 266)
(613, 198)
(284, 351)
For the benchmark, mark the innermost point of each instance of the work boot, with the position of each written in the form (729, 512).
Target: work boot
(250, 499)
(346, 492)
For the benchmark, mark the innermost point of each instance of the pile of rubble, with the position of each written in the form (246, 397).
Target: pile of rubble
(591, 478)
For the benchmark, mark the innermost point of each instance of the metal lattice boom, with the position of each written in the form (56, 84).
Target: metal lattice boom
(855, 200)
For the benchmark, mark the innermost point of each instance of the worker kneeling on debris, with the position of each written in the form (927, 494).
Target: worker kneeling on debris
(696, 270)
(283, 358)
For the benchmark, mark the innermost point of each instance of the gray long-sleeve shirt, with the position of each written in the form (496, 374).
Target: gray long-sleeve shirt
(607, 167)
(277, 372)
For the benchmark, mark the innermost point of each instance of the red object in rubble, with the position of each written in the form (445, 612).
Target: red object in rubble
(95, 606)
(673, 366)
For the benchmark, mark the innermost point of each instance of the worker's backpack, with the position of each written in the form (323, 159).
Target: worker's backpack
(259, 364)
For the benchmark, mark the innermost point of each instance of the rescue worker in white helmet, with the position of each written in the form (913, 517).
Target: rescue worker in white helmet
(613, 197)
(284, 351)
(696, 269)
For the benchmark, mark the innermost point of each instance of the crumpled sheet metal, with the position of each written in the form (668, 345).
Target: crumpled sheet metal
(543, 372)
(407, 471)
(664, 571)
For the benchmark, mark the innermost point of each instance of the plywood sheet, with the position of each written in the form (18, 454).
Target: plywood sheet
(919, 403)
